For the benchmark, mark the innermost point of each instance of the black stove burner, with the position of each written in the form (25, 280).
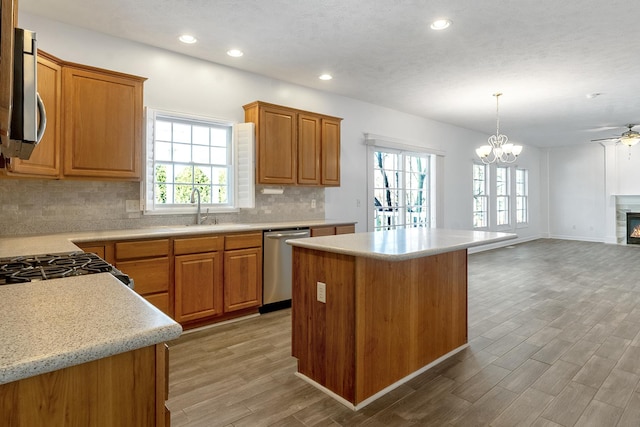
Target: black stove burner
(55, 266)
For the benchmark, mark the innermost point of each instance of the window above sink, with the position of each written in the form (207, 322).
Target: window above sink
(186, 152)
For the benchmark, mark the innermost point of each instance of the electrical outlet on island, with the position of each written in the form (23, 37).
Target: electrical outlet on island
(321, 292)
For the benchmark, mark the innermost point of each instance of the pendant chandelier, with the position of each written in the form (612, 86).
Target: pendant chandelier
(499, 149)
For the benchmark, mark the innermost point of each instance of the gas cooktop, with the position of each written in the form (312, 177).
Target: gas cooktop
(54, 266)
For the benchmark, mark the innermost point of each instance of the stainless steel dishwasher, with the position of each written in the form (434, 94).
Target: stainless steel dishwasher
(276, 266)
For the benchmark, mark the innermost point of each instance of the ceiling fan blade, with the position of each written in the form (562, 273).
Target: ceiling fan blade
(603, 128)
(606, 139)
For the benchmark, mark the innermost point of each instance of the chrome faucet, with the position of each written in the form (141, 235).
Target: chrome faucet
(193, 200)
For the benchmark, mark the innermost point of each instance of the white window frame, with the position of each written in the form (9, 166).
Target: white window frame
(241, 182)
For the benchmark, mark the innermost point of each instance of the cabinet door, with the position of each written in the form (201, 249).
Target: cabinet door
(198, 286)
(102, 124)
(242, 279)
(330, 152)
(276, 146)
(308, 149)
(45, 159)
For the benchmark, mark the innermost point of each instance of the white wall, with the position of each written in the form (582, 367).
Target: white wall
(582, 184)
(576, 192)
(181, 83)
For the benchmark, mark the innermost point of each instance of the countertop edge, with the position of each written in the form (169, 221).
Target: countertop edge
(310, 244)
(34, 367)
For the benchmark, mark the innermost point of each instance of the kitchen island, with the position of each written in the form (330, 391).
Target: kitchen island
(372, 310)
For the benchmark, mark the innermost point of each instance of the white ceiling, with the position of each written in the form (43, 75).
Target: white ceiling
(545, 56)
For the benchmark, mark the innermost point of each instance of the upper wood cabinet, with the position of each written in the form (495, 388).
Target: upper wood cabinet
(102, 123)
(94, 124)
(330, 152)
(295, 146)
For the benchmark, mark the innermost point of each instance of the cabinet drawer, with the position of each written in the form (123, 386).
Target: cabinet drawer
(195, 245)
(142, 249)
(323, 231)
(160, 301)
(149, 275)
(241, 241)
(345, 229)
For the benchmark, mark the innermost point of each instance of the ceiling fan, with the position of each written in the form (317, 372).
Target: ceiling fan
(628, 138)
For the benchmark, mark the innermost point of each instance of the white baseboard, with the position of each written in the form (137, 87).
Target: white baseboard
(384, 391)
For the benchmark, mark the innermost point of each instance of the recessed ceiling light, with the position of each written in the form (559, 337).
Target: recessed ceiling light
(188, 39)
(236, 53)
(440, 24)
(325, 76)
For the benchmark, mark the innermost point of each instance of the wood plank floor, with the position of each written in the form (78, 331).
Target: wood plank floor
(554, 330)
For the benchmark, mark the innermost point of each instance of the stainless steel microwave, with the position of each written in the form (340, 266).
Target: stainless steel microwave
(28, 116)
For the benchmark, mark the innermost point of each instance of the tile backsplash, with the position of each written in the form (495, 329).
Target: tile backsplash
(50, 206)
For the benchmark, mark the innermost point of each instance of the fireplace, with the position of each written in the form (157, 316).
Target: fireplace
(633, 228)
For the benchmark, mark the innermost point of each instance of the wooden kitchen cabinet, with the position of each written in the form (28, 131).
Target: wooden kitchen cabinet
(94, 124)
(124, 389)
(198, 267)
(331, 230)
(102, 123)
(295, 147)
(217, 277)
(309, 149)
(276, 151)
(330, 152)
(242, 272)
(147, 263)
(45, 159)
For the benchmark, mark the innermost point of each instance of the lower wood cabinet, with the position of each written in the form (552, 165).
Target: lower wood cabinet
(198, 286)
(127, 389)
(242, 279)
(331, 230)
(147, 263)
(217, 276)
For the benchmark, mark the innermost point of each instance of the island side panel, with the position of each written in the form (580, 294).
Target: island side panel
(408, 314)
(323, 334)
(118, 390)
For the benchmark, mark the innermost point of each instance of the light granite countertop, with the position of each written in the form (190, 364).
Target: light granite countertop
(63, 242)
(59, 323)
(401, 244)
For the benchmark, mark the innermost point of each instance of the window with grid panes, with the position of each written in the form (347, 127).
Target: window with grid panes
(480, 196)
(401, 185)
(502, 196)
(522, 196)
(188, 154)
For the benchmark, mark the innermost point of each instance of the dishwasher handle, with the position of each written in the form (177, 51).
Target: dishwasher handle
(287, 235)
